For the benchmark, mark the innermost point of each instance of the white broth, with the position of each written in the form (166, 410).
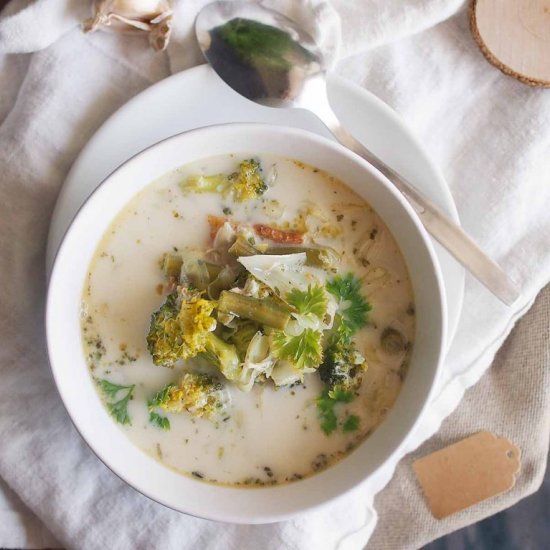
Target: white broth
(271, 434)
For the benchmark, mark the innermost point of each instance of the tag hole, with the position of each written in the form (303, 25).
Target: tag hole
(510, 454)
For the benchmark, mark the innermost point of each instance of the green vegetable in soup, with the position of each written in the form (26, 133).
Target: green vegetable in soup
(351, 424)
(158, 400)
(213, 269)
(216, 183)
(247, 183)
(225, 280)
(353, 307)
(310, 305)
(343, 366)
(171, 265)
(266, 312)
(190, 269)
(117, 407)
(303, 350)
(195, 272)
(223, 356)
(180, 328)
(316, 256)
(325, 408)
(242, 247)
(196, 393)
(241, 338)
(159, 421)
(324, 257)
(165, 339)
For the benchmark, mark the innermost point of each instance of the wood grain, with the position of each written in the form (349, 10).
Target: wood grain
(514, 35)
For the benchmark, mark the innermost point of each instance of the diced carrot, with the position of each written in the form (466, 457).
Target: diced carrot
(264, 231)
(278, 235)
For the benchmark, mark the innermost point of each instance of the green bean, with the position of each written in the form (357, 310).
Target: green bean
(222, 355)
(196, 272)
(316, 256)
(224, 281)
(265, 312)
(171, 265)
(213, 269)
(241, 247)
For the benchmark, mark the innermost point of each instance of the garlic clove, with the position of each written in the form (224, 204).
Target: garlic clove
(151, 16)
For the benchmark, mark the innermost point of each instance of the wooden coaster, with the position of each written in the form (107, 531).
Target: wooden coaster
(514, 35)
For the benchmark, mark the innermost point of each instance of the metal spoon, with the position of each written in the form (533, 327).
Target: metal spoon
(267, 58)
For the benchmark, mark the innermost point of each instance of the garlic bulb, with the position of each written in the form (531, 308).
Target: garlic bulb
(151, 16)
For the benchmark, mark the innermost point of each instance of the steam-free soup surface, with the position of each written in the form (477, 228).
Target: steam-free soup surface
(270, 434)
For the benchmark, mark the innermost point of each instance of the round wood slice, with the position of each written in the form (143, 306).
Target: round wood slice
(514, 35)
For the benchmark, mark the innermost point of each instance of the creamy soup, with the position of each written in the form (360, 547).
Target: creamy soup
(286, 329)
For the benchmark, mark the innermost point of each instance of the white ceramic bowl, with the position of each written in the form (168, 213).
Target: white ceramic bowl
(241, 505)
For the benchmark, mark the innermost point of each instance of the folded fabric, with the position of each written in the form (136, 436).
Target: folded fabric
(519, 374)
(487, 132)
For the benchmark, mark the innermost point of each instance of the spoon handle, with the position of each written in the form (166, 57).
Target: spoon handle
(449, 234)
(436, 222)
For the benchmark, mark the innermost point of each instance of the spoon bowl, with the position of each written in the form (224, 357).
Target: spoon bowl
(260, 53)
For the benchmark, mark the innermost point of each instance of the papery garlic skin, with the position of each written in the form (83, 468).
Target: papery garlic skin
(151, 16)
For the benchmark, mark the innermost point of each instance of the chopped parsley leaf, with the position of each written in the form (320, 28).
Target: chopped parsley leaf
(158, 420)
(351, 423)
(353, 307)
(117, 409)
(325, 408)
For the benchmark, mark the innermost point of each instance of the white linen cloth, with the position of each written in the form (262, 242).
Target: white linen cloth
(489, 134)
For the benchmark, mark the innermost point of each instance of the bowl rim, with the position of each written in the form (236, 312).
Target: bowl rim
(379, 179)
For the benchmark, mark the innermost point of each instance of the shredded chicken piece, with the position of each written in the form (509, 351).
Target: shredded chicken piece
(216, 223)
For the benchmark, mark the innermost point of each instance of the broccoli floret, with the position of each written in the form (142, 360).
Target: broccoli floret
(245, 184)
(343, 367)
(222, 355)
(216, 183)
(180, 328)
(248, 182)
(198, 394)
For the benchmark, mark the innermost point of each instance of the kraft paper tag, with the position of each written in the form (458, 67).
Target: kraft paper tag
(461, 475)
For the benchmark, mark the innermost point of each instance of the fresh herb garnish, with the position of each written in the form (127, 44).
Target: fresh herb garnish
(327, 416)
(117, 409)
(160, 399)
(303, 350)
(351, 423)
(340, 395)
(325, 408)
(353, 307)
(310, 302)
(159, 420)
